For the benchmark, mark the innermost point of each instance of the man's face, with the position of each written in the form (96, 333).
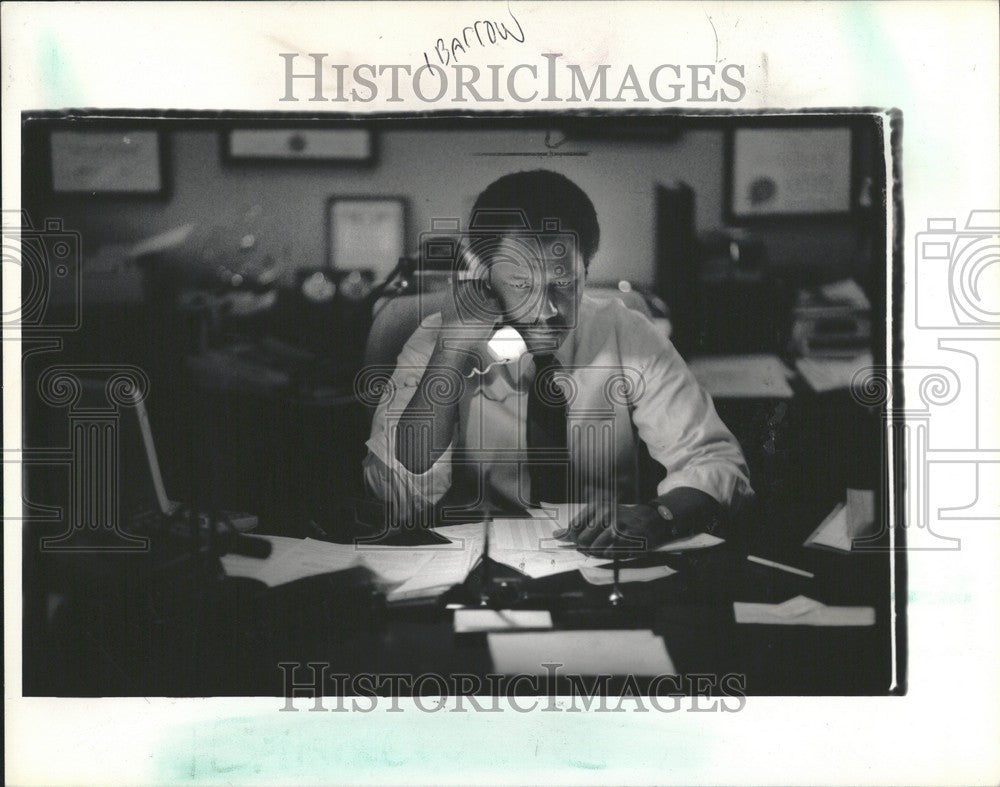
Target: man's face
(539, 283)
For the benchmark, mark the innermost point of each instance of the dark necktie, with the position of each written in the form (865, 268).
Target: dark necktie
(548, 456)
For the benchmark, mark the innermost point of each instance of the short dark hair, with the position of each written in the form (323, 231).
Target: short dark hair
(541, 194)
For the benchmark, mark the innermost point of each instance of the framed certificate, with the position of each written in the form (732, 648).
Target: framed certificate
(108, 162)
(783, 172)
(366, 232)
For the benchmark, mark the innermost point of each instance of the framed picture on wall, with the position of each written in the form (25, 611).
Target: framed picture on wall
(788, 172)
(353, 145)
(366, 232)
(108, 162)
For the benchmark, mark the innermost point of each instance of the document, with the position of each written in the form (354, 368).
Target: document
(743, 376)
(445, 566)
(832, 532)
(472, 620)
(599, 652)
(391, 564)
(543, 563)
(802, 611)
(831, 374)
(526, 545)
(290, 559)
(560, 515)
(606, 576)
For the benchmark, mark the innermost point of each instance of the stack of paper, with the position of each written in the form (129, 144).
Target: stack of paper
(802, 611)
(613, 652)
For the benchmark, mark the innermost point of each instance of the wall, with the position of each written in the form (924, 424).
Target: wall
(440, 172)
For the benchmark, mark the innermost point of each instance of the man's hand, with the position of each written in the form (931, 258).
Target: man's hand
(471, 314)
(605, 531)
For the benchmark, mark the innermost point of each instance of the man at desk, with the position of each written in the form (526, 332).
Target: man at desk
(459, 428)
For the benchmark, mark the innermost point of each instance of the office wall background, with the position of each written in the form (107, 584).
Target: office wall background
(440, 172)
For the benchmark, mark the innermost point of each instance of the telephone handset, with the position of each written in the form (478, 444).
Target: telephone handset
(506, 345)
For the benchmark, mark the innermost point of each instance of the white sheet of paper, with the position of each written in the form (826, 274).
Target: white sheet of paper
(598, 652)
(559, 515)
(470, 620)
(446, 565)
(525, 544)
(743, 376)
(802, 611)
(394, 564)
(831, 374)
(606, 576)
(860, 512)
(832, 531)
(697, 541)
(529, 534)
(543, 563)
(290, 559)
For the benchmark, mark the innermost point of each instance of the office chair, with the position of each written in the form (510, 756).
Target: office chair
(395, 319)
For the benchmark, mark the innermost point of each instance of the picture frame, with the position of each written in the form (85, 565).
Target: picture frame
(108, 161)
(366, 232)
(353, 145)
(811, 173)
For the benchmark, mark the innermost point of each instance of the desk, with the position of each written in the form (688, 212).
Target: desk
(227, 637)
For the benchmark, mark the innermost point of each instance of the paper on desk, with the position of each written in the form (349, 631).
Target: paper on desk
(860, 512)
(598, 652)
(543, 563)
(525, 544)
(831, 374)
(742, 376)
(470, 620)
(832, 532)
(606, 576)
(697, 541)
(447, 565)
(559, 515)
(290, 559)
(392, 564)
(803, 611)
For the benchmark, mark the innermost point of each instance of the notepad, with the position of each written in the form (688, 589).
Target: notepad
(802, 611)
(473, 620)
(598, 652)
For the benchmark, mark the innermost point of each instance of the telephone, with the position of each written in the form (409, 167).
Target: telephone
(506, 345)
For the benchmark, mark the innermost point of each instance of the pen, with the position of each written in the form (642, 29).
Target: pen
(780, 566)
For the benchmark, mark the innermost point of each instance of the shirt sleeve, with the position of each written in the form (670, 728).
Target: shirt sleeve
(676, 419)
(406, 494)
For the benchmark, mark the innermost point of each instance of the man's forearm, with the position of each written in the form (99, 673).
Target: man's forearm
(426, 427)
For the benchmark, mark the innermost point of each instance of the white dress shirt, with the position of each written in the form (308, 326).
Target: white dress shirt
(627, 383)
